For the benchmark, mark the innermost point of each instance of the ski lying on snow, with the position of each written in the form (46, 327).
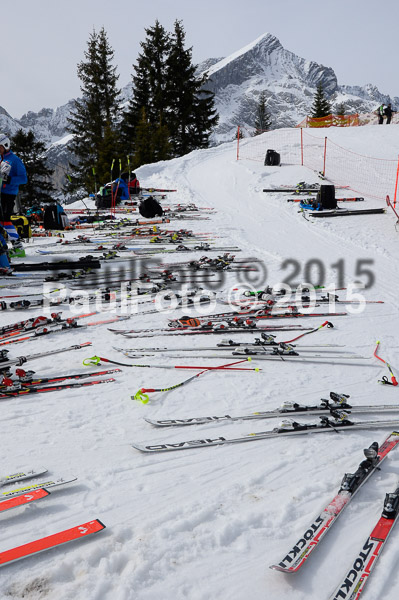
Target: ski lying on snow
(34, 486)
(20, 360)
(351, 483)
(182, 332)
(51, 388)
(282, 411)
(24, 499)
(51, 541)
(20, 475)
(356, 578)
(39, 381)
(342, 212)
(295, 429)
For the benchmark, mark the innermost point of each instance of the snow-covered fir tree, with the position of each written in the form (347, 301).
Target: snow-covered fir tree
(31, 151)
(321, 106)
(94, 119)
(191, 113)
(262, 119)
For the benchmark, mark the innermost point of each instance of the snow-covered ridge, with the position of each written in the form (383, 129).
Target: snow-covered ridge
(288, 81)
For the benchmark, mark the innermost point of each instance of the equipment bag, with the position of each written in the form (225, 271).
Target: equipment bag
(326, 196)
(106, 195)
(54, 217)
(21, 224)
(150, 208)
(272, 158)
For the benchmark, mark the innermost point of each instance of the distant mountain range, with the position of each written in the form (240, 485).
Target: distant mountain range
(289, 83)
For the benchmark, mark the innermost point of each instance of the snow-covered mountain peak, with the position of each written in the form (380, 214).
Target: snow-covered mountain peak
(265, 42)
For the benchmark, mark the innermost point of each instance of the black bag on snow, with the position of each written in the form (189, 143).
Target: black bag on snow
(54, 217)
(272, 158)
(150, 208)
(326, 197)
(105, 195)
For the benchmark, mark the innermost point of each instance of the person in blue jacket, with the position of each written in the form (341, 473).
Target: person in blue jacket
(12, 174)
(120, 187)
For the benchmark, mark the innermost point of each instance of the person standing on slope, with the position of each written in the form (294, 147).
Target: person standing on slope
(12, 174)
(380, 114)
(388, 113)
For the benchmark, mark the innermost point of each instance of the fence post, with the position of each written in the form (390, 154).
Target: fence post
(238, 141)
(302, 146)
(396, 185)
(325, 153)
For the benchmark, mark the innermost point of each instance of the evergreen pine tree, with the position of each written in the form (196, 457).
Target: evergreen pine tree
(191, 114)
(144, 152)
(160, 142)
(262, 117)
(179, 112)
(94, 118)
(341, 109)
(149, 87)
(321, 107)
(39, 187)
(206, 116)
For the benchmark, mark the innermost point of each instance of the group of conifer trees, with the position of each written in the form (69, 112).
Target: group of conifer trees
(169, 114)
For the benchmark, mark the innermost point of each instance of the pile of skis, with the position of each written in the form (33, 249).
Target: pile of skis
(354, 581)
(15, 497)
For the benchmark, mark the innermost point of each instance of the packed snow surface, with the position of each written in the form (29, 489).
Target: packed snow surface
(205, 524)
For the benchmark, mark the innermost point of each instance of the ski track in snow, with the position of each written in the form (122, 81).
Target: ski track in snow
(207, 523)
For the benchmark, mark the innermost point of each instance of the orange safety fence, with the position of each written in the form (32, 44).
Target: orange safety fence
(331, 121)
(366, 175)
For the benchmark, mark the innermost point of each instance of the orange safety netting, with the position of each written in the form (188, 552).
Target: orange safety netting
(366, 175)
(331, 121)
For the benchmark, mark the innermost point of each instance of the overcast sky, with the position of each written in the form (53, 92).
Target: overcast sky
(43, 41)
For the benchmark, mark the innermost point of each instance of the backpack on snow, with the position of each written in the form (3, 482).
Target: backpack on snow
(326, 197)
(106, 195)
(272, 158)
(54, 217)
(150, 208)
(22, 225)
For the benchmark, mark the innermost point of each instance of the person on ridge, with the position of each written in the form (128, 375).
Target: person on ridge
(12, 174)
(388, 113)
(134, 185)
(120, 187)
(380, 114)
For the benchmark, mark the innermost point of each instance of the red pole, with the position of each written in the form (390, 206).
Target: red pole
(238, 142)
(396, 185)
(325, 153)
(302, 145)
(393, 208)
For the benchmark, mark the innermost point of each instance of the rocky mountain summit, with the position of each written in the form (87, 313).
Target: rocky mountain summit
(288, 81)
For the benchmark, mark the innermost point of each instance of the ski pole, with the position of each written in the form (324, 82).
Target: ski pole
(385, 379)
(96, 360)
(329, 325)
(128, 168)
(142, 394)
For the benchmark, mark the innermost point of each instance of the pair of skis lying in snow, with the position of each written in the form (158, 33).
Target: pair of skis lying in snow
(334, 418)
(354, 581)
(16, 497)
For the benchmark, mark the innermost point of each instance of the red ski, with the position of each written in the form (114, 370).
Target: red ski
(356, 578)
(51, 541)
(296, 557)
(24, 499)
(26, 382)
(24, 391)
